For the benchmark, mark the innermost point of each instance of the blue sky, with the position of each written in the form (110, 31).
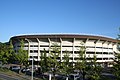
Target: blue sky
(101, 17)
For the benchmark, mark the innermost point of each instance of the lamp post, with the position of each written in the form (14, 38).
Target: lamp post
(32, 68)
(32, 64)
(32, 56)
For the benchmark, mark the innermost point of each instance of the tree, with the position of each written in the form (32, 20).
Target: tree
(43, 63)
(4, 53)
(22, 55)
(81, 64)
(11, 52)
(94, 69)
(66, 66)
(53, 59)
(116, 65)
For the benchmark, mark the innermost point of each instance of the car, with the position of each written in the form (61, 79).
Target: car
(74, 76)
(25, 70)
(15, 68)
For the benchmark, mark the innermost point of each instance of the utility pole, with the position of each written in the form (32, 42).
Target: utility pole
(32, 68)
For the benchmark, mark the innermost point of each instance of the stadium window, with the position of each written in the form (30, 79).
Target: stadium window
(99, 58)
(105, 52)
(26, 46)
(105, 58)
(98, 52)
(90, 52)
(35, 57)
(33, 45)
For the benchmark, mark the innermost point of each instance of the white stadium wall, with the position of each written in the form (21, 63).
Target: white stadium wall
(103, 47)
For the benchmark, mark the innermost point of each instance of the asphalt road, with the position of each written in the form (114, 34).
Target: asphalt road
(5, 77)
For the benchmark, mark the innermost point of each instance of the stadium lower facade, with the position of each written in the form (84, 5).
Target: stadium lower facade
(103, 47)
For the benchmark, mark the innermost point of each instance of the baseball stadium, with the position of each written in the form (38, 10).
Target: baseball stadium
(103, 47)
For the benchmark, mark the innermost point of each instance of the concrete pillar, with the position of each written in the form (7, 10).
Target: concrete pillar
(73, 49)
(61, 49)
(28, 46)
(38, 49)
(49, 46)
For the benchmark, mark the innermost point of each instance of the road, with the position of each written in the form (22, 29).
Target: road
(111, 76)
(6, 77)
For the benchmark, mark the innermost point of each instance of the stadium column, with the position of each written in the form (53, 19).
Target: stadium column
(108, 53)
(102, 52)
(49, 46)
(38, 49)
(61, 49)
(97, 41)
(116, 48)
(73, 50)
(96, 44)
(85, 44)
(113, 49)
(28, 46)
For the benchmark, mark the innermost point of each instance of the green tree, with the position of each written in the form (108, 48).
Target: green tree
(22, 55)
(4, 53)
(116, 65)
(81, 64)
(94, 69)
(43, 63)
(66, 66)
(53, 59)
(11, 52)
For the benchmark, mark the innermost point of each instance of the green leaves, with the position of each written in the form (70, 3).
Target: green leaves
(116, 66)
(22, 55)
(44, 62)
(88, 68)
(95, 69)
(6, 52)
(66, 66)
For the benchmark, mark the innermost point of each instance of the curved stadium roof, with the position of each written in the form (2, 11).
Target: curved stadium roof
(64, 36)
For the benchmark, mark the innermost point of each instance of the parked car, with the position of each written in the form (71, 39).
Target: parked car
(74, 76)
(25, 70)
(15, 68)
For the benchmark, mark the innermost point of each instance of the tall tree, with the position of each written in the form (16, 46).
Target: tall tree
(81, 64)
(116, 65)
(95, 69)
(43, 63)
(11, 52)
(54, 61)
(22, 55)
(66, 66)
(4, 53)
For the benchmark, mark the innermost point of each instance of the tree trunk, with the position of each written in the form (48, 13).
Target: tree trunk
(49, 76)
(67, 78)
(83, 75)
(53, 76)
(21, 66)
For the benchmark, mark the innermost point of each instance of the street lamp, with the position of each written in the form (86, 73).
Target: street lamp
(32, 63)
(32, 68)
(32, 57)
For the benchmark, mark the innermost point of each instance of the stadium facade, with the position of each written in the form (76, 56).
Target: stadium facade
(103, 47)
